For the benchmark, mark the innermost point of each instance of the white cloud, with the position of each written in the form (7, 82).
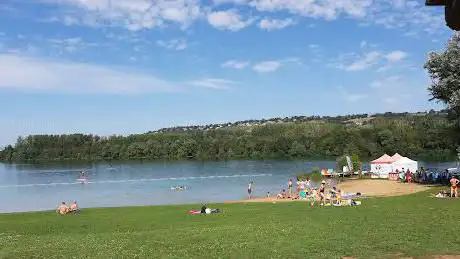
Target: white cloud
(367, 60)
(275, 24)
(228, 20)
(214, 83)
(175, 44)
(263, 66)
(389, 81)
(238, 2)
(68, 44)
(131, 14)
(267, 66)
(359, 62)
(148, 14)
(326, 9)
(235, 64)
(396, 56)
(363, 44)
(25, 73)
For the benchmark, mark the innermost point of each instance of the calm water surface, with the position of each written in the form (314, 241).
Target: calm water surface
(42, 187)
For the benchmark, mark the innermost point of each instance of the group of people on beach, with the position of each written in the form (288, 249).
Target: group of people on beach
(63, 209)
(305, 191)
(424, 176)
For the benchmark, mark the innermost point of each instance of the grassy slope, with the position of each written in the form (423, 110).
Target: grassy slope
(411, 225)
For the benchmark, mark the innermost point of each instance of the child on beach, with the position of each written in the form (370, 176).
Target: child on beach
(313, 197)
(290, 186)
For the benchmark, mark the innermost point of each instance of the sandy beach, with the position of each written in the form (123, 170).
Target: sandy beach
(381, 187)
(368, 187)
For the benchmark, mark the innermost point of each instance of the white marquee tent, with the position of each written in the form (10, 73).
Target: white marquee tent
(405, 163)
(385, 164)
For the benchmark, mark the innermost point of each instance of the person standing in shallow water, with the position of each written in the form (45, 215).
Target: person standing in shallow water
(250, 190)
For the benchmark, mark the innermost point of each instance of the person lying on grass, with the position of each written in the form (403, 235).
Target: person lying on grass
(442, 194)
(62, 209)
(282, 194)
(294, 196)
(74, 208)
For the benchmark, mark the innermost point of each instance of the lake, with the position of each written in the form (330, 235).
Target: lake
(26, 187)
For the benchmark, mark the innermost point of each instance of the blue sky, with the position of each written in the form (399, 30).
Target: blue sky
(130, 66)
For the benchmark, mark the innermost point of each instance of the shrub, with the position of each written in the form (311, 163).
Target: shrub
(314, 175)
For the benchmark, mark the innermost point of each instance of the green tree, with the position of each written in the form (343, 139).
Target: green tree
(444, 70)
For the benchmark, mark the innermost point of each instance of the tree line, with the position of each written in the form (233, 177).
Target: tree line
(426, 137)
(432, 135)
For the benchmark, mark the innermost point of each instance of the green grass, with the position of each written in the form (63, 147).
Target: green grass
(414, 225)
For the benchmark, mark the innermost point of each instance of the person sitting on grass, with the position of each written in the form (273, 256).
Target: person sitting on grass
(282, 194)
(313, 197)
(333, 193)
(62, 209)
(74, 208)
(339, 197)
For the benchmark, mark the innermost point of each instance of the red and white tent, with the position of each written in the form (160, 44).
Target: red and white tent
(382, 166)
(385, 159)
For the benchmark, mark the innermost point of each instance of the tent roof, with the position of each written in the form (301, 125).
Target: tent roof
(385, 159)
(396, 157)
(405, 160)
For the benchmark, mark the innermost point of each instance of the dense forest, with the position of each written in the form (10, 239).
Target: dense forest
(424, 136)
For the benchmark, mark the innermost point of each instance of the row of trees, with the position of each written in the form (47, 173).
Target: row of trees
(427, 137)
(430, 136)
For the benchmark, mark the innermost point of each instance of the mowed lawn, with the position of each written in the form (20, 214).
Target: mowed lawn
(414, 225)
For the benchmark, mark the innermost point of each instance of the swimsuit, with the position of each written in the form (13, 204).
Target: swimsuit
(453, 185)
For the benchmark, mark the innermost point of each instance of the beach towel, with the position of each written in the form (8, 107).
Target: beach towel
(303, 195)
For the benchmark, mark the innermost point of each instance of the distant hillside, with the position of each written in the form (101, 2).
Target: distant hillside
(347, 119)
(423, 135)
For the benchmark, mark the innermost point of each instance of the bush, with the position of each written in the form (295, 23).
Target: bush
(314, 175)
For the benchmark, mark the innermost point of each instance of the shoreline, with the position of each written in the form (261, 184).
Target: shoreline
(367, 187)
(370, 188)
